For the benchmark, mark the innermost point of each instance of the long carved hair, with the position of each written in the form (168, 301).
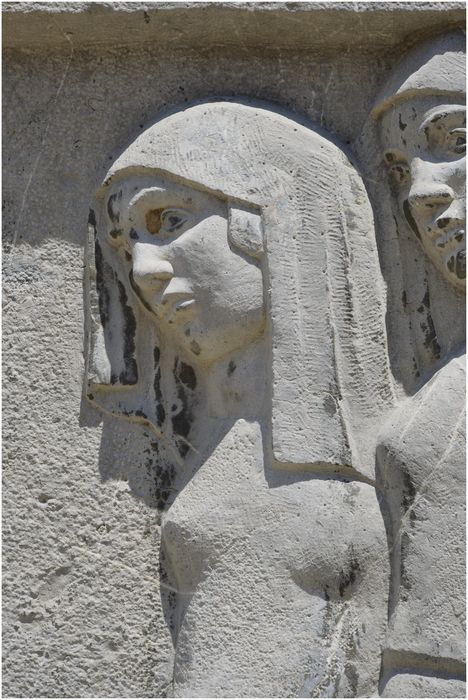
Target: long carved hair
(325, 298)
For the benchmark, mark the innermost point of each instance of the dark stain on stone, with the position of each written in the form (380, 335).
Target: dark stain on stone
(185, 380)
(187, 376)
(430, 336)
(195, 348)
(101, 286)
(347, 579)
(404, 581)
(133, 234)
(460, 267)
(415, 368)
(353, 678)
(160, 412)
(130, 374)
(408, 496)
(92, 220)
(162, 475)
(146, 17)
(404, 300)
(115, 233)
(231, 368)
(114, 215)
(409, 218)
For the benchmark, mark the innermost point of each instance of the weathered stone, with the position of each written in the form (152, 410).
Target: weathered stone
(258, 443)
(421, 456)
(234, 357)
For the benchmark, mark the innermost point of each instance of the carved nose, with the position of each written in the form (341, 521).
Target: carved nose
(431, 195)
(150, 268)
(446, 221)
(454, 215)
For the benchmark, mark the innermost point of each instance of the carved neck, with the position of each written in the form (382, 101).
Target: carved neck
(196, 401)
(447, 309)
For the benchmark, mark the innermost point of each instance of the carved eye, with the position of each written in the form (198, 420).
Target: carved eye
(165, 221)
(400, 172)
(456, 140)
(173, 219)
(397, 166)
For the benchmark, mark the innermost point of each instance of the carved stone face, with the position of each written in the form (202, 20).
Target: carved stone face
(174, 242)
(424, 142)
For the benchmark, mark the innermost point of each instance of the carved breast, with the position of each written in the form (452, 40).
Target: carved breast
(260, 558)
(317, 529)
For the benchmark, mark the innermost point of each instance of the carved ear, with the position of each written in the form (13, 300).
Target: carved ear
(245, 231)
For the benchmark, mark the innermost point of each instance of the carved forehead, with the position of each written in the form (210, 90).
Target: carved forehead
(128, 188)
(441, 113)
(231, 149)
(436, 67)
(404, 124)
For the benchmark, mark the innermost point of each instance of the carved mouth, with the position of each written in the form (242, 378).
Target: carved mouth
(176, 304)
(454, 238)
(181, 305)
(177, 299)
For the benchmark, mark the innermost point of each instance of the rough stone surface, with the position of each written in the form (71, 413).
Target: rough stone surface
(420, 119)
(233, 350)
(135, 565)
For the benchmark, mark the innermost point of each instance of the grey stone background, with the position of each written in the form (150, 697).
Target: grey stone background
(82, 612)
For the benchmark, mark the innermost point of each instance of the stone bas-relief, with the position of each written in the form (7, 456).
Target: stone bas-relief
(422, 122)
(239, 315)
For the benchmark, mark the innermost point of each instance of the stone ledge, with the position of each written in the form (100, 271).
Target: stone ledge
(283, 26)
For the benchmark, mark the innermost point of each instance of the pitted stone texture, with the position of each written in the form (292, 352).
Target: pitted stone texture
(82, 606)
(80, 589)
(258, 361)
(69, 116)
(414, 686)
(420, 116)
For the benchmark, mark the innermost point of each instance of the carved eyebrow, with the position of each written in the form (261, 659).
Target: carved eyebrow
(160, 198)
(442, 113)
(151, 194)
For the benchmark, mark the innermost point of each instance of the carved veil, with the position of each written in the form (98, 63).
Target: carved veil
(324, 294)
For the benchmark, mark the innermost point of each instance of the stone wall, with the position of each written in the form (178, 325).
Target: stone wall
(82, 607)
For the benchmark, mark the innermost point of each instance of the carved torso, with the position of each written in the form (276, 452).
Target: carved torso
(422, 454)
(304, 561)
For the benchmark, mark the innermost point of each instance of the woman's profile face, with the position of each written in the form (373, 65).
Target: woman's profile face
(425, 142)
(173, 240)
